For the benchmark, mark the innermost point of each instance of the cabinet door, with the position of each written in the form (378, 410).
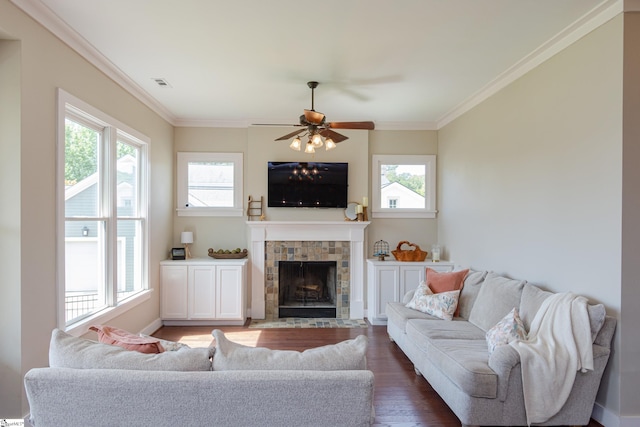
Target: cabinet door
(410, 278)
(173, 292)
(386, 289)
(229, 294)
(202, 292)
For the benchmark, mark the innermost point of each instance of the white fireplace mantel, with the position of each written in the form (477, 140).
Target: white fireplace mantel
(263, 231)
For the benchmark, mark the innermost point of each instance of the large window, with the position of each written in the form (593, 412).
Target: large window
(403, 186)
(102, 233)
(209, 184)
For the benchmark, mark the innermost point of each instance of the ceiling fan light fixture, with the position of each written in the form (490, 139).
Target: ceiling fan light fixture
(329, 144)
(316, 140)
(309, 148)
(296, 144)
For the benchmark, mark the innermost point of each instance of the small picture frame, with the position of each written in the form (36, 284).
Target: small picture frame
(178, 253)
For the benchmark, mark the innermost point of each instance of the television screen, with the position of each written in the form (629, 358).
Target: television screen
(307, 185)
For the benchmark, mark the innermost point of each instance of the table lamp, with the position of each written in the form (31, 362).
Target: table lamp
(186, 238)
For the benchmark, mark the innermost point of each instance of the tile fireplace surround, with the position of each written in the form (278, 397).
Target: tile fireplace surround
(261, 232)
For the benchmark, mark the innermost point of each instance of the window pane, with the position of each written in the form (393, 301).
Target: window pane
(84, 268)
(210, 184)
(402, 186)
(129, 261)
(81, 179)
(128, 185)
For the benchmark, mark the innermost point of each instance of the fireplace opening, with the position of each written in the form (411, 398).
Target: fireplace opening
(307, 289)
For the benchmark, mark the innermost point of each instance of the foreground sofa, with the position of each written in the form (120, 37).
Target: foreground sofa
(148, 393)
(484, 389)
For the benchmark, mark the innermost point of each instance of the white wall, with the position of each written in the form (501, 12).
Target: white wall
(45, 64)
(10, 309)
(531, 180)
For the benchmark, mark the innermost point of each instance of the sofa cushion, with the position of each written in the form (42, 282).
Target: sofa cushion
(510, 328)
(497, 296)
(127, 340)
(466, 364)
(346, 355)
(442, 305)
(67, 351)
(469, 293)
(398, 314)
(421, 329)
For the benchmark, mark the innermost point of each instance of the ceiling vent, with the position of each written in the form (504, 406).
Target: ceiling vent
(162, 83)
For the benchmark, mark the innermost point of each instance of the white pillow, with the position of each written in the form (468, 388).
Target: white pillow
(421, 291)
(67, 351)
(510, 328)
(346, 355)
(441, 305)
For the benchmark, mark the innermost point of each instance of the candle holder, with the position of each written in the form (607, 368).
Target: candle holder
(360, 216)
(365, 217)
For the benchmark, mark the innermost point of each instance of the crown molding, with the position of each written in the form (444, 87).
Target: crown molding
(49, 20)
(602, 13)
(599, 15)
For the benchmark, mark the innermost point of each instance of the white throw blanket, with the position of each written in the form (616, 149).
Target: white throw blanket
(557, 346)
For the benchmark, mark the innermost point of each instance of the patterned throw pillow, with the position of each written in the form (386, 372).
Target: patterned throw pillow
(420, 292)
(510, 328)
(441, 305)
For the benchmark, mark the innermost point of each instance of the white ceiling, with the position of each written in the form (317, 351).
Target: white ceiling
(404, 64)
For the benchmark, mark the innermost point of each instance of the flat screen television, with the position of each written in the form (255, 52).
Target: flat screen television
(307, 184)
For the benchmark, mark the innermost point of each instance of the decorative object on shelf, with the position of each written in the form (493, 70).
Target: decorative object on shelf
(435, 253)
(227, 254)
(186, 238)
(178, 253)
(359, 213)
(316, 128)
(365, 205)
(381, 249)
(350, 212)
(254, 209)
(415, 254)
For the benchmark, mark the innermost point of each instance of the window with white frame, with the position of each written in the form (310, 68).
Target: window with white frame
(102, 200)
(403, 186)
(209, 184)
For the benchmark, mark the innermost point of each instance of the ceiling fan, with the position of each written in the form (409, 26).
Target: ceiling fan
(316, 127)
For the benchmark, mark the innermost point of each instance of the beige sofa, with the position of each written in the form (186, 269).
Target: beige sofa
(453, 355)
(94, 384)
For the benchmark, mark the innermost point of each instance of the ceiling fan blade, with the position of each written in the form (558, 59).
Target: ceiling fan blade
(289, 135)
(337, 137)
(274, 124)
(313, 117)
(351, 125)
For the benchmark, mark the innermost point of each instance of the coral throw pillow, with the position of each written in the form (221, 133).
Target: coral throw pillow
(446, 282)
(129, 341)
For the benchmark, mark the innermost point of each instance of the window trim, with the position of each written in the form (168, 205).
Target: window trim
(182, 183)
(429, 161)
(70, 106)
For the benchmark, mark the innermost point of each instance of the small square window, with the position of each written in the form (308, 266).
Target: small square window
(209, 184)
(403, 186)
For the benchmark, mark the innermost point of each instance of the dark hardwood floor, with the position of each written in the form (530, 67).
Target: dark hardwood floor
(401, 397)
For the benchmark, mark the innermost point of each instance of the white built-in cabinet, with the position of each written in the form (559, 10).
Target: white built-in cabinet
(204, 291)
(389, 281)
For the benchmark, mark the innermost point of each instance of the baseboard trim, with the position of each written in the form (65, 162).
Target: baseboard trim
(607, 418)
(152, 327)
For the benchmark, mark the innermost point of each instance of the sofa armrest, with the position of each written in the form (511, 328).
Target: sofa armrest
(503, 359)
